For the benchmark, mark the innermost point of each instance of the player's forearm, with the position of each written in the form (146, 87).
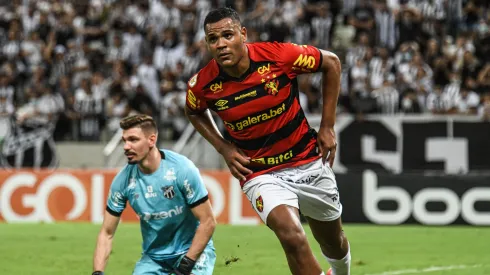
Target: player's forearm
(331, 88)
(102, 251)
(205, 125)
(203, 234)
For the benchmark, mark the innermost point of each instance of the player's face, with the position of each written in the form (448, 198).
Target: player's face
(137, 144)
(225, 41)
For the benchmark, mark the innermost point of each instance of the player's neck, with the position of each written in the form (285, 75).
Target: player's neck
(241, 67)
(151, 163)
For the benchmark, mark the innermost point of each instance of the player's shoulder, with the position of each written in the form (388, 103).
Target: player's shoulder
(122, 177)
(204, 76)
(177, 160)
(259, 51)
(274, 51)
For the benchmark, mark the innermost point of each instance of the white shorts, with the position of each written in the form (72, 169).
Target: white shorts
(311, 188)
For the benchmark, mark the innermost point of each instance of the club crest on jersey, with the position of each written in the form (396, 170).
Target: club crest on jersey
(272, 86)
(168, 192)
(259, 204)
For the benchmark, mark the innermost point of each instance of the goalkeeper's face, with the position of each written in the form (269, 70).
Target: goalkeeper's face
(137, 144)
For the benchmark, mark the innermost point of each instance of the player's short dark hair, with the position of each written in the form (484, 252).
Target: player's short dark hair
(145, 122)
(219, 14)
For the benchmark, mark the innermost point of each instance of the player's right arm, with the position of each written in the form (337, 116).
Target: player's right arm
(104, 241)
(116, 203)
(199, 115)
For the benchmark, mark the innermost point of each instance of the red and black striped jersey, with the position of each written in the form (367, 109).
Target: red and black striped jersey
(261, 109)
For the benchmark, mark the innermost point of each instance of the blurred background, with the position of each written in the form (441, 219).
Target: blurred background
(413, 124)
(72, 69)
(413, 112)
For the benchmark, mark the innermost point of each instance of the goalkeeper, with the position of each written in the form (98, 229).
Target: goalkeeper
(165, 189)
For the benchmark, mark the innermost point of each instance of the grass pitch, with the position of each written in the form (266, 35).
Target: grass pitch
(67, 248)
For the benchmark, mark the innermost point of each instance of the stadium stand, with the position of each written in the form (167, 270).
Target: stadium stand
(82, 65)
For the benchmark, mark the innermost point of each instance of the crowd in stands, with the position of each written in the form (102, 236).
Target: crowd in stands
(83, 65)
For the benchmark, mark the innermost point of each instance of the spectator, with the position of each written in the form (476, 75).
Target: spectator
(467, 102)
(484, 110)
(105, 59)
(89, 108)
(439, 102)
(387, 97)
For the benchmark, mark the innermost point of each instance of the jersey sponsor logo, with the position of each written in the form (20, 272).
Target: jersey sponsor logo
(259, 203)
(177, 210)
(264, 69)
(168, 192)
(252, 120)
(188, 189)
(275, 160)
(221, 104)
(191, 98)
(249, 94)
(216, 87)
(305, 61)
(149, 192)
(193, 81)
(272, 87)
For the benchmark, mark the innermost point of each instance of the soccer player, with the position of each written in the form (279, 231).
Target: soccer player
(283, 165)
(165, 189)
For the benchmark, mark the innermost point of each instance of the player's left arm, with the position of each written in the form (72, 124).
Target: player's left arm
(300, 59)
(331, 71)
(196, 197)
(207, 223)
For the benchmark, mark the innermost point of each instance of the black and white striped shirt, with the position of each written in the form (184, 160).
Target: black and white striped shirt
(388, 100)
(385, 29)
(301, 33)
(378, 70)
(432, 11)
(355, 54)
(452, 90)
(89, 107)
(321, 27)
(439, 102)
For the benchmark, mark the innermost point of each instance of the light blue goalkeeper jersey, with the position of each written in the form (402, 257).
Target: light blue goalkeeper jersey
(163, 202)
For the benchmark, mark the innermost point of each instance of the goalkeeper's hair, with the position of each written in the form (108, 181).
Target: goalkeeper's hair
(145, 122)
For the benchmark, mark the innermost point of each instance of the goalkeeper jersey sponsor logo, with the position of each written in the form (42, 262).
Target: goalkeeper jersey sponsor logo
(177, 210)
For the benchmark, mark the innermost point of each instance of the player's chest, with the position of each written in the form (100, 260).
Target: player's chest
(155, 196)
(265, 87)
